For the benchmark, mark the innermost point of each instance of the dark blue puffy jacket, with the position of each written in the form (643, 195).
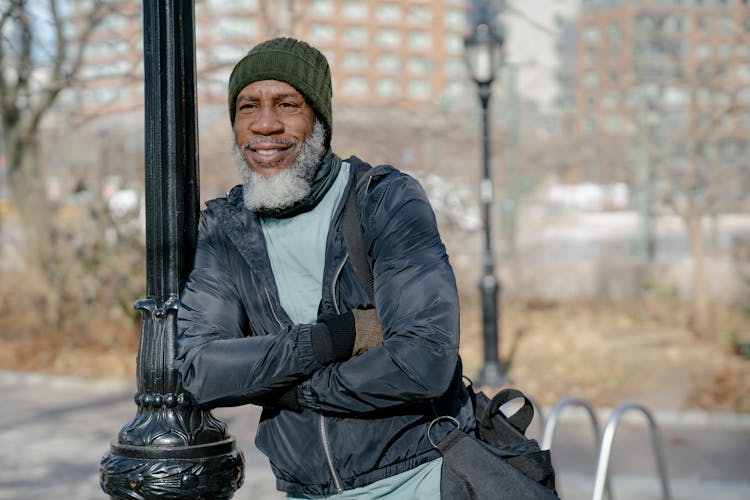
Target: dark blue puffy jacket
(363, 419)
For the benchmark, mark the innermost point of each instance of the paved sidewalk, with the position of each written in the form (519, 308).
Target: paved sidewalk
(54, 431)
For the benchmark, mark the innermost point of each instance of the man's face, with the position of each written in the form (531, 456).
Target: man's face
(272, 121)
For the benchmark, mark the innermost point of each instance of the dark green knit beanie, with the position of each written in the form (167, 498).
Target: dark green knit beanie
(288, 60)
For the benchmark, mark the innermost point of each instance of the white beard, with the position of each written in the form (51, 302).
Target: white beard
(286, 187)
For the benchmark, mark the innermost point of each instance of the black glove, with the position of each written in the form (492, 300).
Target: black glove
(289, 400)
(333, 338)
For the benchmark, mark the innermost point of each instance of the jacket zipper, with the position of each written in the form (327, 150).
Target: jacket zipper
(333, 284)
(322, 420)
(270, 305)
(329, 456)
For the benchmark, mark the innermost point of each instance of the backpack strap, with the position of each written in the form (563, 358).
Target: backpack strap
(353, 236)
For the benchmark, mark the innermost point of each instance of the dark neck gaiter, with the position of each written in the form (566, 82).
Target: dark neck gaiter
(328, 169)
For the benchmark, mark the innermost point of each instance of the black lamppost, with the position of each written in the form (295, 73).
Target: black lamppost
(483, 53)
(170, 449)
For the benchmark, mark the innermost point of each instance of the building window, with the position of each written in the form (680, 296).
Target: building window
(116, 67)
(354, 9)
(354, 60)
(388, 38)
(420, 40)
(589, 126)
(613, 32)
(590, 79)
(419, 89)
(726, 25)
(676, 96)
(227, 53)
(419, 14)
(322, 33)
(221, 5)
(355, 35)
(612, 123)
(330, 56)
(743, 72)
(321, 8)
(456, 19)
(355, 86)
(722, 98)
(724, 50)
(387, 87)
(703, 95)
(419, 65)
(703, 51)
(703, 23)
(673, 24)
(591, 35)
(455, 68)
(743, 95)
(227, 27)
(611, 99)
(388, 13)
(389, 63)
(453, 44)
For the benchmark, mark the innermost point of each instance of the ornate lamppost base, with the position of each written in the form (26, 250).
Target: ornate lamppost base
(212, 471)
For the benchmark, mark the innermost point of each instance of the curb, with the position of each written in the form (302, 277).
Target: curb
(672, 418)
(37, 379)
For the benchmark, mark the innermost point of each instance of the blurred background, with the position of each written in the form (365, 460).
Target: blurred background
(619, 138)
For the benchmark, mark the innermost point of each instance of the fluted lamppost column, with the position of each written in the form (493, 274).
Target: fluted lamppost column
(170, 449)
(483, 54)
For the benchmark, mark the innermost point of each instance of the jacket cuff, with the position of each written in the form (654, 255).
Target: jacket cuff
(305, 396)
(305, 349)
(322, 345)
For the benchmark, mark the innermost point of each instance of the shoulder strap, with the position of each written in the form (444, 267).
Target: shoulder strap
(353, 236)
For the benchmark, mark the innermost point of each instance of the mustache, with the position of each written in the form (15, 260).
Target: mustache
(267, 140)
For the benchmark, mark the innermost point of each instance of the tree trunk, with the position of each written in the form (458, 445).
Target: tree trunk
(27, 180)
(701, 313)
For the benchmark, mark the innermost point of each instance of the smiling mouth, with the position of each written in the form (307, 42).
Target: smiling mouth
(268, 154)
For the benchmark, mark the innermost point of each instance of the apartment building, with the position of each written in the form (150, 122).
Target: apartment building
(407, 53)
(680, 67)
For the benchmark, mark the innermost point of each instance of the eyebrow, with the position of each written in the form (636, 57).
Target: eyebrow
(245, 97)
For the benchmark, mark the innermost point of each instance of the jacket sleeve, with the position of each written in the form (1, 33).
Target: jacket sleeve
(218, 363)
(417, 303)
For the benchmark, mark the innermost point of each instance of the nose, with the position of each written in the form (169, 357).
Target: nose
(267, 122)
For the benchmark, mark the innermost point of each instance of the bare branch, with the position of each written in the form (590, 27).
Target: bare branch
(61, 76)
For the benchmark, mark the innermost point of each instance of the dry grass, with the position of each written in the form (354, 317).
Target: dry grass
(607, 353)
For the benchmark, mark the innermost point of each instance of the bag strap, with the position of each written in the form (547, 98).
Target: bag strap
(497, 428)
(521, 419)
(353, 236)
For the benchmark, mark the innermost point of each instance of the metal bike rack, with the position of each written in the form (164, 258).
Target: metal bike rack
(551, 424)
(538, 412)
(606, 448)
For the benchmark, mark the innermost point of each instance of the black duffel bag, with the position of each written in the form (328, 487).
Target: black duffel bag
(499, 462)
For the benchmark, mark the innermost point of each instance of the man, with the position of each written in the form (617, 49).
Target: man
(274, 313)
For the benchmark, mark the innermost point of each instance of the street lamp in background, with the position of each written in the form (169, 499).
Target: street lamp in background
(483, 54)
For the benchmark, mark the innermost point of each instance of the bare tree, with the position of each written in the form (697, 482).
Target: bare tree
(680, 138)
(40, 56)
(699, 169)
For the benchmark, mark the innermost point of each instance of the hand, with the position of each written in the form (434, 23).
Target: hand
(333, 337)
(287, 400)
